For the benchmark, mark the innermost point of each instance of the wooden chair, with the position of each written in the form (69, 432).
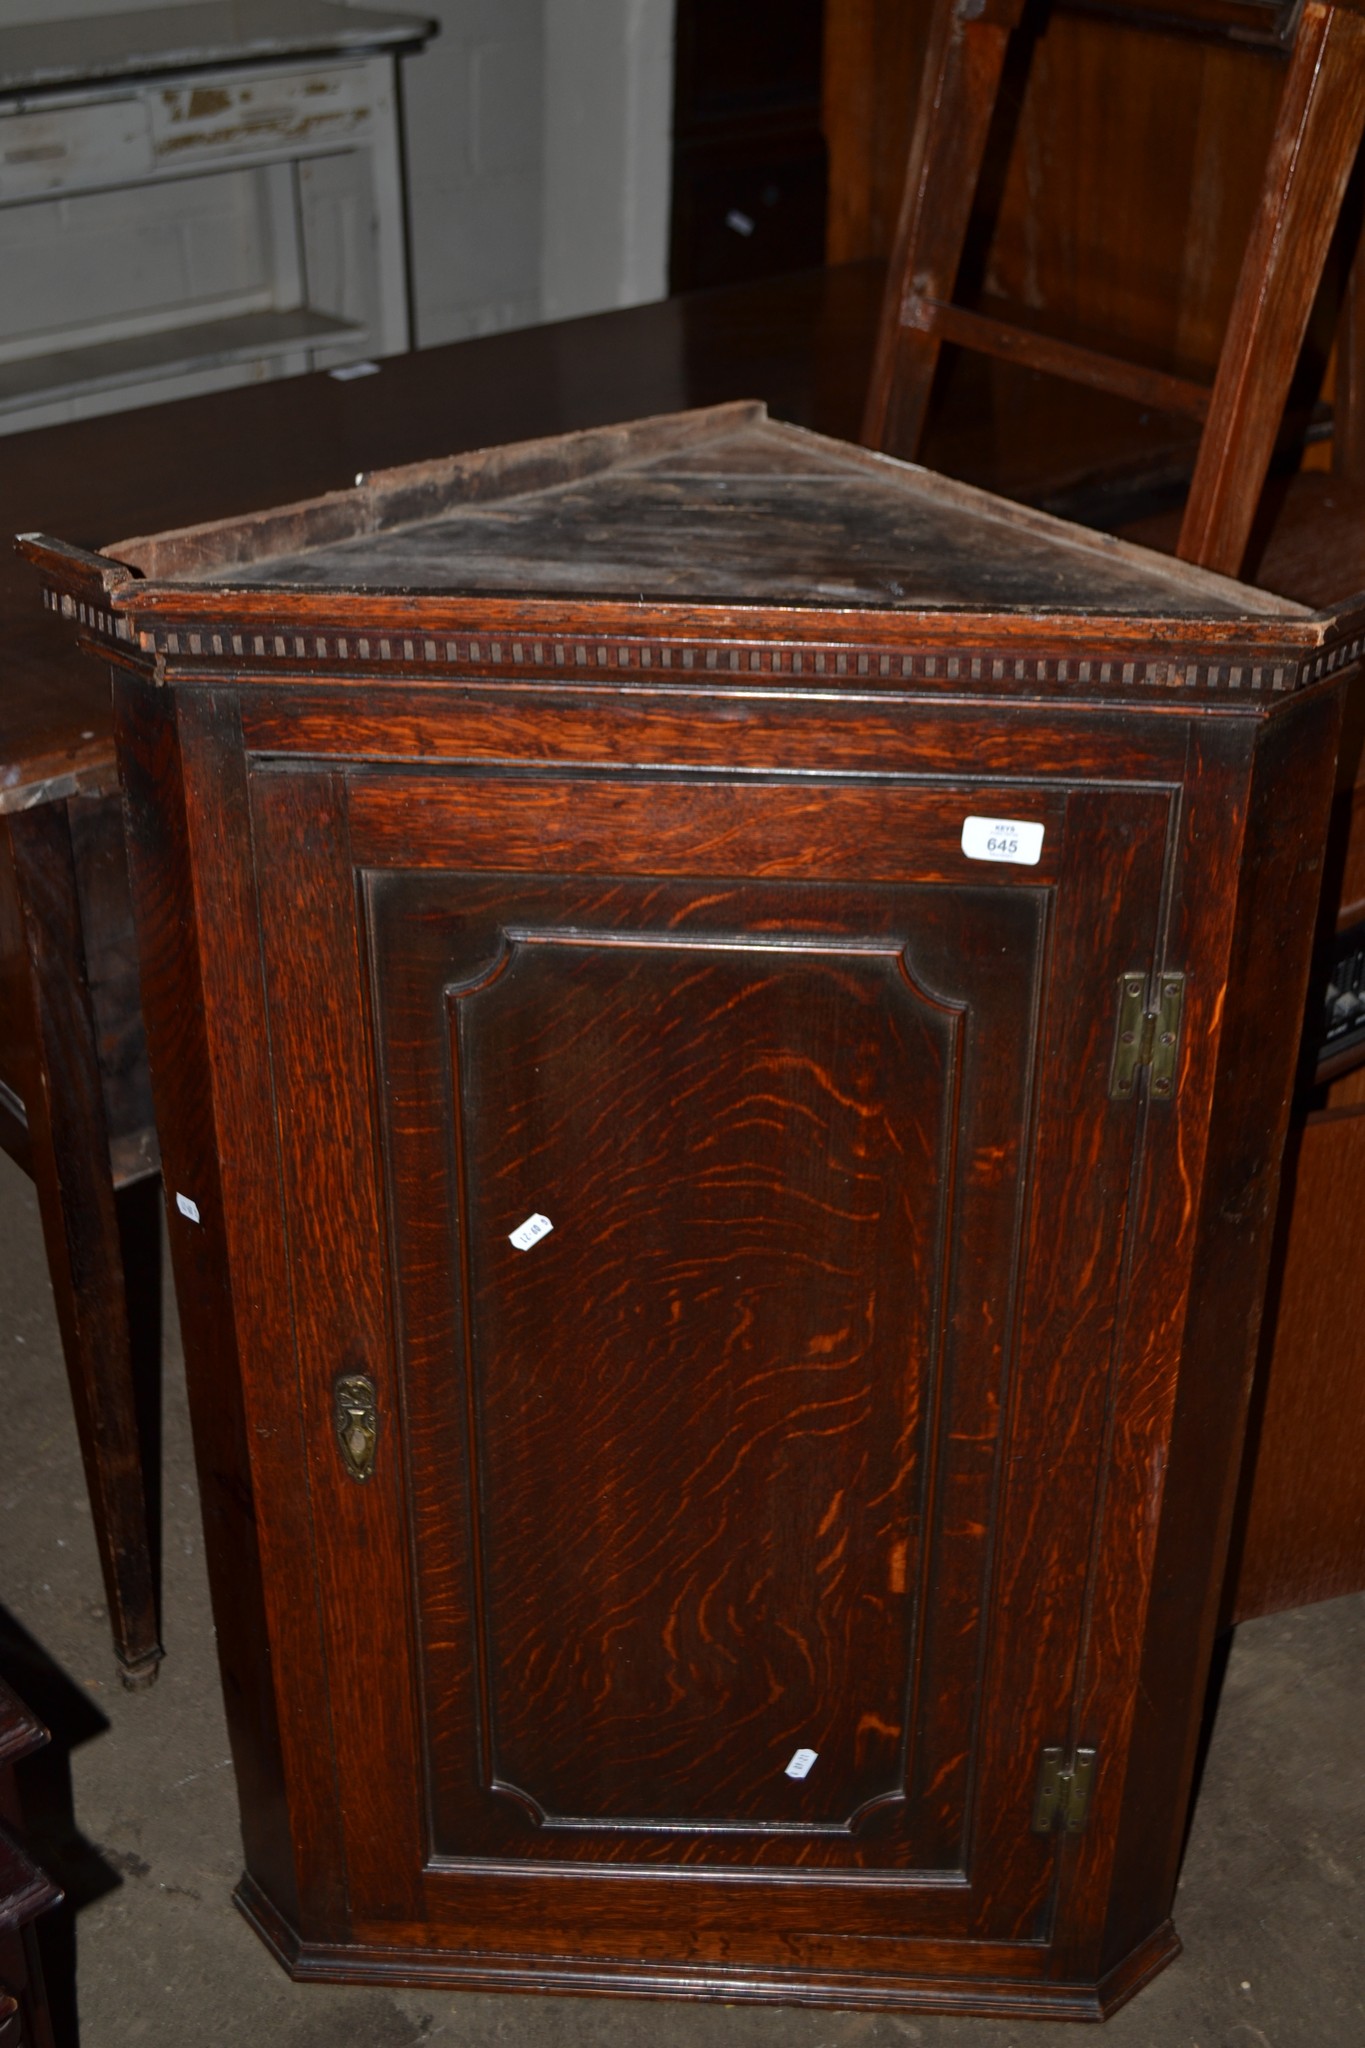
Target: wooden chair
(1317, 136)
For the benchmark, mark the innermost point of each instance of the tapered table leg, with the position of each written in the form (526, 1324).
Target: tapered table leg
(69, 1160)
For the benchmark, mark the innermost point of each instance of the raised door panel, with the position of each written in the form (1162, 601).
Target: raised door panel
(737, 1462)
(678, 1448)
(700, 1425)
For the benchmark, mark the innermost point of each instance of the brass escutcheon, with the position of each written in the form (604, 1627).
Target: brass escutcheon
(357, 1422)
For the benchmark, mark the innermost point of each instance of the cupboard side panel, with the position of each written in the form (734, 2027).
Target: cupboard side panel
(323, 1104)
(175, 1001)
(1206, 827)
(1292, 773)
(1084, 1150)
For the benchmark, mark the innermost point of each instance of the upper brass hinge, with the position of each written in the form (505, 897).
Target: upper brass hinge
(1063, 1795)
(1147, 1035)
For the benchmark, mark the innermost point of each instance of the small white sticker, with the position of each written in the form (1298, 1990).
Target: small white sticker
(187, 1207)
(345, 372)
(1013, 839)
(530, 1232)
(799, 1767)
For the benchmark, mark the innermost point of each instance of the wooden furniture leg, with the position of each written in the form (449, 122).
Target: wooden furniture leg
(961, 81)
(1317, 136)
(1348, 403)
(68, 1141)
(25, 1891)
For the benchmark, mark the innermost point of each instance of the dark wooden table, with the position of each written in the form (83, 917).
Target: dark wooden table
(74, 1098)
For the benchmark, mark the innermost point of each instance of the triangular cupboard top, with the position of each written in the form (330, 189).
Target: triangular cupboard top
(715, 543)
(724, 506)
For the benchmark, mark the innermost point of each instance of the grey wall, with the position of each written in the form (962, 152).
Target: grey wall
(539, 147)
(473, 111)
(538, 150)
(608, 121)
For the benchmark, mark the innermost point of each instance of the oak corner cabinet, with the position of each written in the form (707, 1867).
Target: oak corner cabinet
(722, 1012)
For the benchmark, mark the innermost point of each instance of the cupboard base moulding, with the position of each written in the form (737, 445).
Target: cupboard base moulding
(563, 1976)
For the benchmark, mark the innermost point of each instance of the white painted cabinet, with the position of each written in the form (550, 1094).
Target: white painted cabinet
(197, 196)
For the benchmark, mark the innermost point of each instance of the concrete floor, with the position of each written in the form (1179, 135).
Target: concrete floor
(1272, 1906)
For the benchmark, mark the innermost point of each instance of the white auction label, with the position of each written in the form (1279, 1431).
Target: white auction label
(530, 1232)
(1011, 839)
(799, 1767)
(187, 1207)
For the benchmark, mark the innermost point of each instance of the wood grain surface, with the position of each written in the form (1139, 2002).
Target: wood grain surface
(57, 1060)
(836, 1410)
(1318, 126)
(1302, 1529)
(833, 1411)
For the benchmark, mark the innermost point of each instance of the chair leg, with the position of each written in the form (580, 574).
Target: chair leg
(69, 1141)
(961, 81)
(1348, 406)
(1317, 135)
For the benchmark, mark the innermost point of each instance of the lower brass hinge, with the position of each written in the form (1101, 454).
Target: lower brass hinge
(1063, 1795)
(1147, 1035)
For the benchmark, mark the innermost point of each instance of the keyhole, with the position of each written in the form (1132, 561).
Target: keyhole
(356, 1422)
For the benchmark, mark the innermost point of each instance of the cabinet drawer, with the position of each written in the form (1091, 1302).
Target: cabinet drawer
(212, 117)
(59, 149)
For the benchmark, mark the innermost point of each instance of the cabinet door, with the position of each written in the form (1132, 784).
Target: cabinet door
(732, 1521)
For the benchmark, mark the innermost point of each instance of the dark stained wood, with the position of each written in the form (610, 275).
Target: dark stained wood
(55, 741)
(804, 343)
(1348, 397)
(330, 1195)
(1309, 543)
(61, 1090)
(963, 60)
(1130, 184)
(110, 950)
(871, 58)
(1014, 342)
(1268, 945)
(1299, 1529)
(739, 513)
(648, 911)
(1123, 175)
(1265, 21)
(1318, 125)
(15, 1015)
(1317, 137)
(1102, 105)
(1303, 1535)
(826, 1167)
(801, 342)
(26, 1891)
(161, 884)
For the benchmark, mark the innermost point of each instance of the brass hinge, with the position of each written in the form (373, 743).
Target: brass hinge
(1147, 1035)
(1063, 1794)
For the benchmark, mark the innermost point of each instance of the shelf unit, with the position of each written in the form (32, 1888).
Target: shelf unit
(194, 197)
